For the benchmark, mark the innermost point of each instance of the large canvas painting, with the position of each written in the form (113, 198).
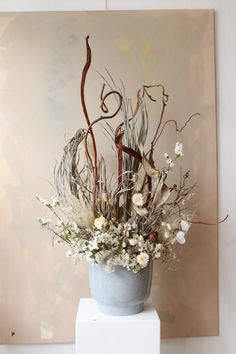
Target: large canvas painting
(41, 60)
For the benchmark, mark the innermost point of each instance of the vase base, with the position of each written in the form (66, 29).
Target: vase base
(120, 311)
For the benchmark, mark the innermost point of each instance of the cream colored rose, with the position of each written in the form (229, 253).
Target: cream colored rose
(100, 222)
(143, 259)
(137, 199)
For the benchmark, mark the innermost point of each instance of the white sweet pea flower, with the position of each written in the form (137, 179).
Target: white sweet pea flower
(137, 199)
(143, 259)
(100, 222)
(179, 149)
(185, 225)
(180, 237)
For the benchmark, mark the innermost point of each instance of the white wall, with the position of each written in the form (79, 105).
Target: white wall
(226, 98)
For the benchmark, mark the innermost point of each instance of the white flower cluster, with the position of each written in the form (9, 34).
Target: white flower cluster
(116, 243)
(52, 203)
(171, 162)
(120, 245)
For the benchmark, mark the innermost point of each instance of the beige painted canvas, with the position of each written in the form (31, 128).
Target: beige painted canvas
(41, 60)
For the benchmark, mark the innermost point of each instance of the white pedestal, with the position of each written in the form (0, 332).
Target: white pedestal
(97, 333)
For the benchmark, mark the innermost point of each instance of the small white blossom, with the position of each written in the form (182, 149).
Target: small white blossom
(133, 241)
(158, 246)
(180, 237)
(166, 155)
(73, 226)
(54, 202)
(134, 178)
(134, 225)
(120, 228)
(179, 149)
(70, 253)
(166, 170)
(44, 222)
(143, 259)
(137, 199)
(43, 201)
(59, 223)
(100, 222)
(166, 235)
(185, 225)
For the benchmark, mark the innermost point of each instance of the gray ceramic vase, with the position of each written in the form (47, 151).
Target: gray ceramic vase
(122, 292)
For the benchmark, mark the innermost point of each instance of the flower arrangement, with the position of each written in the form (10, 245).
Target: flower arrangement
(130, 218)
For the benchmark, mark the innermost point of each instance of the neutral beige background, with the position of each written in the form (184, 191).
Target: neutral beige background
(41, 60)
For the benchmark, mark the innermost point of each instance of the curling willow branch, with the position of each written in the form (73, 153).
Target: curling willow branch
(82, 93)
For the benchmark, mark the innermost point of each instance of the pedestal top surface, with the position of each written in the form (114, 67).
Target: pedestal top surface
(88, 312)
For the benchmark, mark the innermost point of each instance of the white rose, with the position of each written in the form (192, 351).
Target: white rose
(100, 222)
(137, 199)
(185, 225)
(180, 237)
(143, 259)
